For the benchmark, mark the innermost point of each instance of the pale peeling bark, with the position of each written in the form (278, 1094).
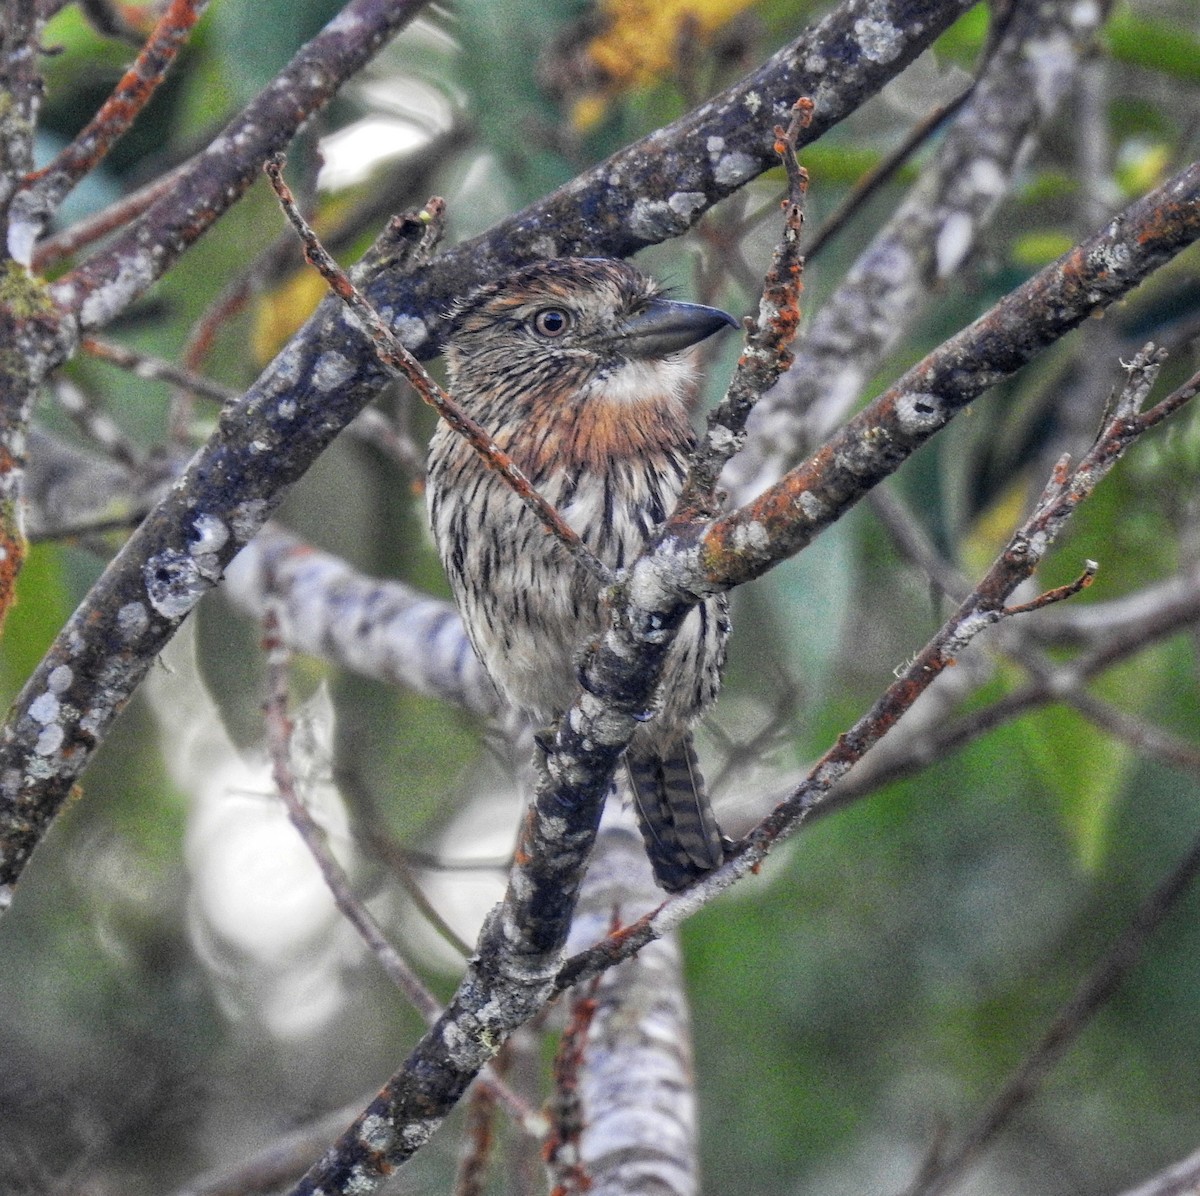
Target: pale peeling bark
(637, 1080)
(380, 629)
(1183, 1179)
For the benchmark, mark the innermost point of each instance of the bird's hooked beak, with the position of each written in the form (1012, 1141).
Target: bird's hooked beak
(666, 326)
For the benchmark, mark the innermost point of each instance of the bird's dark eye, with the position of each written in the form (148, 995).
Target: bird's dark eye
(551, 321)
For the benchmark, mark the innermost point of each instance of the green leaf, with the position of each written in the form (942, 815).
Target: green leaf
(1084, 770)
(1162, 46)
(41, 608)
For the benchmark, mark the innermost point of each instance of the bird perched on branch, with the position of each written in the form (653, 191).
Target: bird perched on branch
(575, 368)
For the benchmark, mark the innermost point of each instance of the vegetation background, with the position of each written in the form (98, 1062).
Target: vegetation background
(177, 989)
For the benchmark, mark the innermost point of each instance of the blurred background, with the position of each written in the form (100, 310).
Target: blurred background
(177, 988)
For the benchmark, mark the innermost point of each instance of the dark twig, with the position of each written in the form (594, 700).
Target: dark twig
(93, 228)
(400, 361)
(564, 1149)
(97, 290)
(279, 741)
(145, 366)
(48, 186)
(789, 514)
(98, 426)
(479, 1140)
(882, 171)
(925, 242)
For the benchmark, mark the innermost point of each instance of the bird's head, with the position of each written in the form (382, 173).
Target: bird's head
(575, 328)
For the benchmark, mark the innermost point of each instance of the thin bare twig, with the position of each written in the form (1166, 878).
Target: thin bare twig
(882, 171)
(985, 606)
(279, 740)
(766, 354)
(145, 366)
(400, 972)
(91, 229)
(940, 1171)
(399, 360)
(479, 1140)
(563, 1150)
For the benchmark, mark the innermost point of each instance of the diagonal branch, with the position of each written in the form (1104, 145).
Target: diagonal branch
(925, 241)
(985, 606)
(48, 187)
(940, 1171)
(318, 384)
(109, 281)
(787, 516)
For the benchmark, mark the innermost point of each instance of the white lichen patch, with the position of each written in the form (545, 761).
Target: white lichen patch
(49, 741)
(333, 369)
(376, 1133)
(734, 169)
(360, 1183)
(288, 365)
(953, 243)
(44, 708)
(132, 621)
(918, 412)
(815, 63)
(211, 535)
(416, 1133)
(410, 332)
(134, 276)
(95, 720)
(810, 506)
(750, 537)
(686, 203)
(174, 583)
(60, 679)
(987, 178)
(1085, 15)
(878, 38)
(654, 220)
(722, 439)
(715, 145)
(247, 518)
(753, 102)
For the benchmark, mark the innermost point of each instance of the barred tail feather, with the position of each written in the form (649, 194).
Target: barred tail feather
(681, 835)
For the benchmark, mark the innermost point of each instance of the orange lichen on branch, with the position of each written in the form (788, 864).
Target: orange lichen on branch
(13, 548)
(129, 97)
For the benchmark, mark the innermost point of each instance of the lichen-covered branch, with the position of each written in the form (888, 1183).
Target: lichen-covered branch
(984, 607)
(327, 373)
(787, 516)
(660, 186)
(109, 281)
(636, 1078)
(46, 188)
(925, 242)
